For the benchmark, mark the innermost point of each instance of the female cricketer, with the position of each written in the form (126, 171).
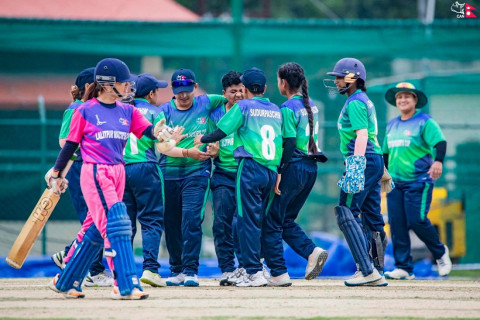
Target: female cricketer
(408, 153)
(358, 213)
(296, 176)
(101, 127)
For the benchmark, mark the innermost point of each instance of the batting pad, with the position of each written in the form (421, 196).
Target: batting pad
(119, 232)
(77, 268)
(355, 238)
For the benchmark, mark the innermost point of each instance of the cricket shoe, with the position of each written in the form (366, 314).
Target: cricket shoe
(191, 281)
(70, 294)
(152, 278)
(282, 280)
(253, 280)
(58, 258)
(100, 280)
(175, 280)
(224, 279)
(315, 264)
(444, 263)
(382, 282)
(236, 277)
(399, 274)
(360, 280)
(136, 294)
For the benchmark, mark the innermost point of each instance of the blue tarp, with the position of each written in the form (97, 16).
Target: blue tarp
(339, 264)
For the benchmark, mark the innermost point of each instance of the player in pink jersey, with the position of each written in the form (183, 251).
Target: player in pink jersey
(101, 127)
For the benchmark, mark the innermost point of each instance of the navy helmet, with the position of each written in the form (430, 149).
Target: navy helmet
(350, 68)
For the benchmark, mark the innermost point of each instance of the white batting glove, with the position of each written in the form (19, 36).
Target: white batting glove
(165, 146)
(161, 131)
(56, 183)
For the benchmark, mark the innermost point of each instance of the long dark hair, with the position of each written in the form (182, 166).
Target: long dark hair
(295, 76)
(92, 91)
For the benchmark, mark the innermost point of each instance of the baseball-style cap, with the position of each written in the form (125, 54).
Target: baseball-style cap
(391, 94)
(183, 80)
(111, 69)
(84, 77)
(254, 80)
(146, 82)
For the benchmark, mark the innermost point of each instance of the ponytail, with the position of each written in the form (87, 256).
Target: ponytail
(92, 91)
(77, 94)
(312, 146)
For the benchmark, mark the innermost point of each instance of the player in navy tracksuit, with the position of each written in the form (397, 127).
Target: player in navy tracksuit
(295, 179)
(223, 189)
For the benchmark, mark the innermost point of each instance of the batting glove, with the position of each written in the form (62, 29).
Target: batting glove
(354, 179)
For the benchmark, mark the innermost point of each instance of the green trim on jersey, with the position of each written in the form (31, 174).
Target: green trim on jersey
(289, 128)
(237, 189)
(163, 184)
(66, 120)
(225, 161)
(424, 201)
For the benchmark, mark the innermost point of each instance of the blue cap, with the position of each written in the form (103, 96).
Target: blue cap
(146, 82)
(183, 80)
(84, 77)
(254, 80)
(111, 69)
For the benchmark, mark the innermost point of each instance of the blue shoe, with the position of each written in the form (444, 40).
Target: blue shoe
(175, 280)
(191, 281)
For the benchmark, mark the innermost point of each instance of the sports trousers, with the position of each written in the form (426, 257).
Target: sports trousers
(408, 205)
(297, 182)
(78, 201)
(184, 212)
(225, 219)
(144, 200)
(254, 195)
(365, 205)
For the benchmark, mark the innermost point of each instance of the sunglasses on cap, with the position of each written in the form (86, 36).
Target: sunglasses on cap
(182, 83)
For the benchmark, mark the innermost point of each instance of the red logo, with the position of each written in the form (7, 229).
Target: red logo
(468, 11)
(123, 121)
(181, 77)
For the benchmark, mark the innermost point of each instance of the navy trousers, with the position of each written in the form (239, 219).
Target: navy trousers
(365, 205)
(144, 200)
(225, 219)
(184, 212)
(254, 195)
(78, 201)
(296, 184)
(408, 205)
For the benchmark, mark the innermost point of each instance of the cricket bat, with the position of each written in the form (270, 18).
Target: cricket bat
(34, 225)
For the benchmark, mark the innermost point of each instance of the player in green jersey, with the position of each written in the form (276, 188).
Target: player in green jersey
(186, 171)
(408, 152)
(358, 213)
(257, 127)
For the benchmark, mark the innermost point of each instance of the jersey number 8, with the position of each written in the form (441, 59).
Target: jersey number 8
(268, 146)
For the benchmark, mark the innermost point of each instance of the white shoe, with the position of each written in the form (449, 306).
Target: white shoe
(152, 278)
(58, 258)
(444, 263)
(176, 279)
(236, 277)
(100, 280)
(382, 282)
(360, 280)
(253, 280)
(70, 294)
(399, 274)
(191, 281)
(282, 280)
(225, 276)
(316, 261)
(136, 294)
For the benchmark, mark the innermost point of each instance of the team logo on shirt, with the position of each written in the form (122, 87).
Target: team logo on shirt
(123, 121)
(408, 133)
(99, 123)
(201, 120)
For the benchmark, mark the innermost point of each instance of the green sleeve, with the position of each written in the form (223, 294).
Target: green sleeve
(432, 134)
(159, 117)
(231, 121)
(216, 100)
(357, 113)
(289, 127)
(385, 144)
(65, 129)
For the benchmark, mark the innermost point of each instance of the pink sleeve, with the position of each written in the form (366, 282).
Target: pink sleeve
(139, 123)
(76, 127)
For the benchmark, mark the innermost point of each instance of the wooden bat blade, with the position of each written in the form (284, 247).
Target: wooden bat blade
(32, 228)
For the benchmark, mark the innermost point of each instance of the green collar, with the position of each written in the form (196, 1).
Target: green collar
(141, 99)
(260, 98)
